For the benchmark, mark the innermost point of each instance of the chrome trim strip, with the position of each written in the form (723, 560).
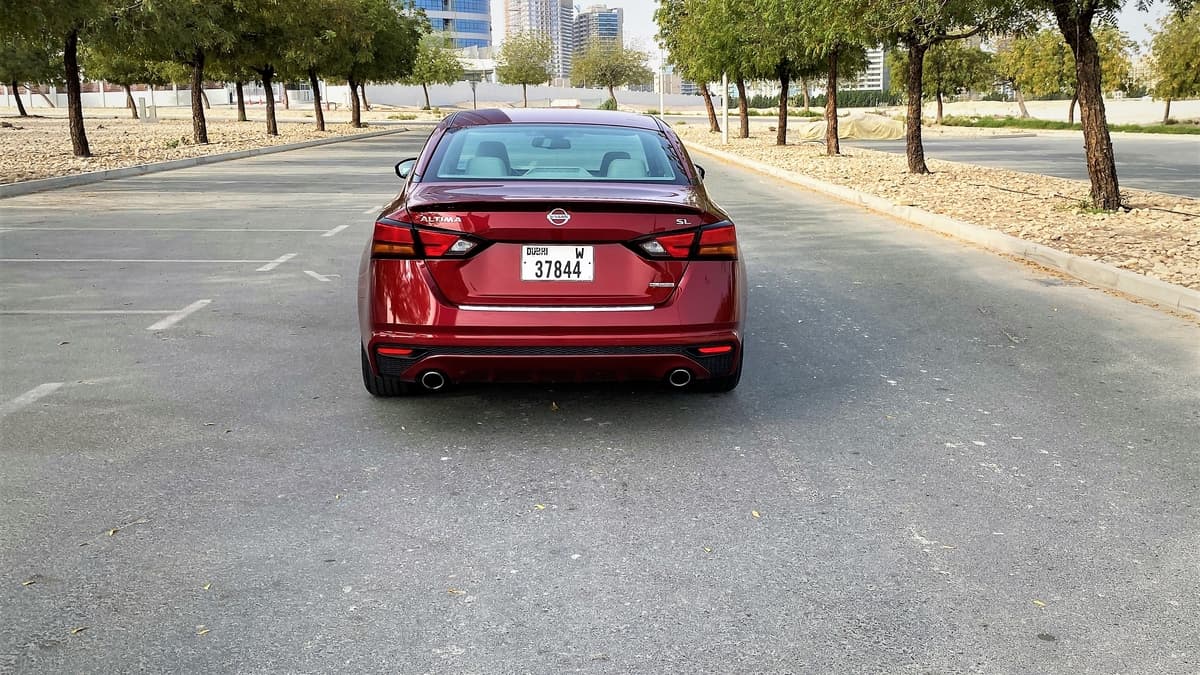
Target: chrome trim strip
(502, 308)
(661, 284)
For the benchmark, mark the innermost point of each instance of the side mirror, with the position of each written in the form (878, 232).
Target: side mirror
(405, 167)
(699, 170)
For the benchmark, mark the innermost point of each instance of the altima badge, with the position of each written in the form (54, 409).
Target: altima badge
(558, 217)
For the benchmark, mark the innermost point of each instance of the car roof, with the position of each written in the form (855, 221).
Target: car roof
(614, 118)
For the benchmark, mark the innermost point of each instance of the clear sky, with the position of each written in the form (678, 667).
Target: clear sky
(640, 28)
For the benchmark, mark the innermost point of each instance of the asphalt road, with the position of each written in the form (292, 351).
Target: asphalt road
(1164, 164)
(938, 460)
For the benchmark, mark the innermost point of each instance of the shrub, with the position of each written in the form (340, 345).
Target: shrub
(610, 104)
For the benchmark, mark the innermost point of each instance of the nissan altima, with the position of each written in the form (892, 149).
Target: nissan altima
(551, 246)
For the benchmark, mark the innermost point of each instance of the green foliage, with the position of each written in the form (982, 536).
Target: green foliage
(609, 104)
(859, 99)
(949, 67)
(1042, 64)
(524, 59)
(1176, 51)
(705, 39)
(1018, 123)
(610, 64)
(29, 59)
(436, 63)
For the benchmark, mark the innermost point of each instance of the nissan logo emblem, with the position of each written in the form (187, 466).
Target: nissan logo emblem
(558, 217)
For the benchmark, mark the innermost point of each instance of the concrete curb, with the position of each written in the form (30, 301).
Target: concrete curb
(1085, 269)
(42, 184)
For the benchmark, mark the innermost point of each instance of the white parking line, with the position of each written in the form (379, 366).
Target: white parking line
(318, 277)
(276, 262)
(40, 391)
(81, 312)
(182, 314)
(335, 230)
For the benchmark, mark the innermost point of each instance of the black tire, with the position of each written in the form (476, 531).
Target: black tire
(725, 383)
(382, 386)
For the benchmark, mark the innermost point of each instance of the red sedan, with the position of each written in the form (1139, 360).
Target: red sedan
(551, 246)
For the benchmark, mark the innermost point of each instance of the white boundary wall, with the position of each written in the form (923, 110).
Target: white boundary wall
(459, 95)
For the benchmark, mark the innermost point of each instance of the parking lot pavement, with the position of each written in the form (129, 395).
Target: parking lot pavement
(938, 460)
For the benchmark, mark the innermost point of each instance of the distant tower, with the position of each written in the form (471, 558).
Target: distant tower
(468, 23)
(599, 22)
(553, 18)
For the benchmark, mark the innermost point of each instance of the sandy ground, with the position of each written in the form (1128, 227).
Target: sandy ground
(40, 147)
(1159, 237)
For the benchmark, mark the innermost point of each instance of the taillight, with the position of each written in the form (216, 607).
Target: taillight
(394, 239)
(714, 241)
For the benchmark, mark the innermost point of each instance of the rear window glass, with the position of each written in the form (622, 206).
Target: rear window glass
(570, 152)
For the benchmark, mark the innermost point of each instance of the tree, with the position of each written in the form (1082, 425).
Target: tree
(106, 59)
(524, 59)
(949, 67)
(377, 42)
(609, 64)
(436, 64)
(1176, 51)
(63, 22)
(186, 33)
(918, 25)
(263, 36)
(1075, 19)
(25, 59)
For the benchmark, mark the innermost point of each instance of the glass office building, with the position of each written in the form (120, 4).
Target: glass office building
(468, 23)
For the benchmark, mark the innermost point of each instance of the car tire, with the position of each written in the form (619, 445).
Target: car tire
(723, 384)
(383, 387)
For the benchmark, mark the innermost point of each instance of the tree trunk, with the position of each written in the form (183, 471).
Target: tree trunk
(783, 72)
(241, 102)
(268, 76)
(366, 104)
(287, 103)
(425, 88)
(1076, 27)
(204, 95)
(612, 94)
(17, 95)
(355, 113)
(743, 109)
(1071, 110)
(524, 95)
(939, 107)
(79, 141)
(44, 98)
(1021, 103)
(316, 89)
(804, 93)
(914, 147)
(199, 125)
(832, 145)
(713, 125)
(129, 101)
(1166, 112)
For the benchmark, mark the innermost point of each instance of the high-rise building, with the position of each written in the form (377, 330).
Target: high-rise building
(599, 22)
(877, 76)
(468, 23)
(553, 18)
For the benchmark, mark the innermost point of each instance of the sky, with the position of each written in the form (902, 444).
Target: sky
(640, 28)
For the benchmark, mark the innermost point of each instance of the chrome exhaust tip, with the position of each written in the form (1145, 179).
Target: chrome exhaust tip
(432, 380)
(680, 378)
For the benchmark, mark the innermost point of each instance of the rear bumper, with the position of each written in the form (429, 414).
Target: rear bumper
(557, 363)
(401, 308)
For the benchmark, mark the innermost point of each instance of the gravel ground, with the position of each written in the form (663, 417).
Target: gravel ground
(40, 147)
(1159, 236)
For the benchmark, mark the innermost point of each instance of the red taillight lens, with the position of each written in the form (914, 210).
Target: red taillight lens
(394, 239)
(394, 351)
(715, 241)
(713, 351)
(718, 242)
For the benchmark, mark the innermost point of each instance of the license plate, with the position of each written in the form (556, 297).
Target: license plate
(556, 263)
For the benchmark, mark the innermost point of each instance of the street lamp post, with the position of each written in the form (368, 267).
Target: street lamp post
(474, 104)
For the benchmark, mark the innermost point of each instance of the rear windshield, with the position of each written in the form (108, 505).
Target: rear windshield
(581, 152)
